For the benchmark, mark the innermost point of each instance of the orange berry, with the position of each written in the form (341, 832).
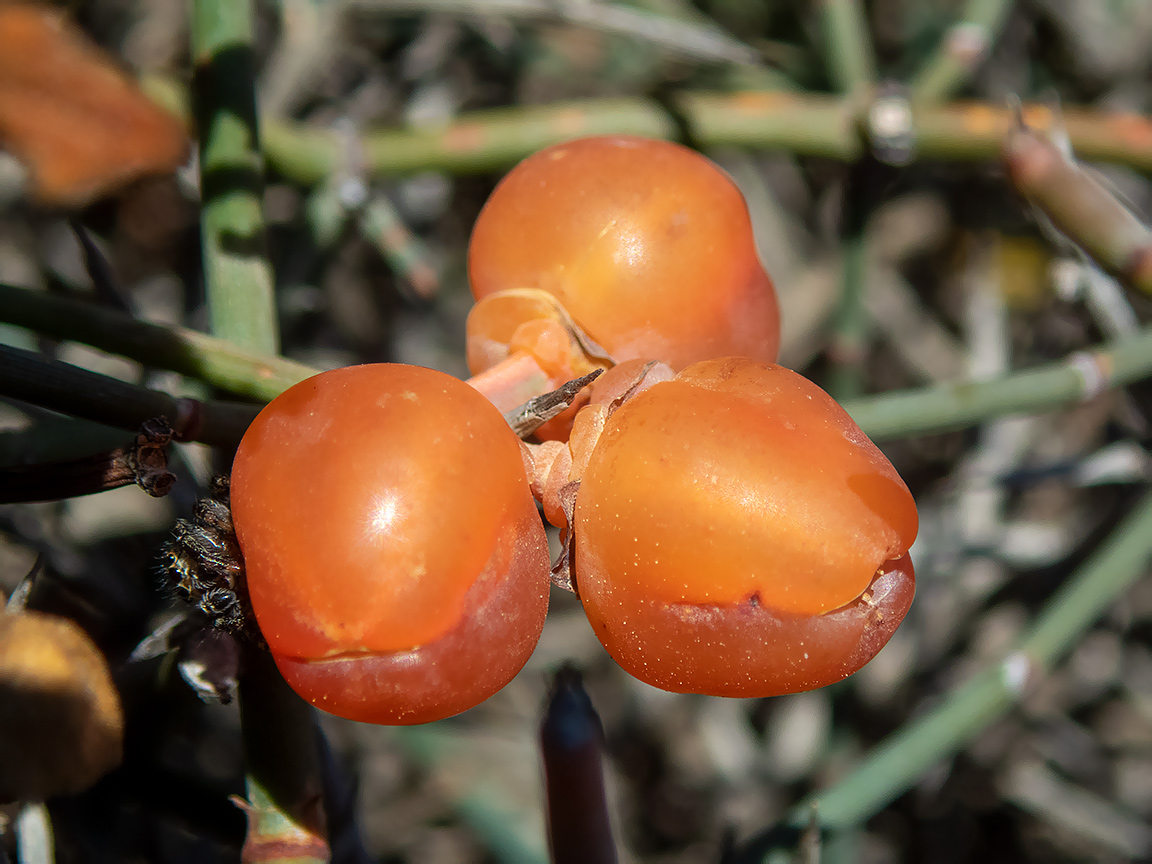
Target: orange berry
(645, 243)
(737, 534)
(395, 560)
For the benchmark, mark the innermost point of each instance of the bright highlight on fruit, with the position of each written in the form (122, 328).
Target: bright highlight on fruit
(396, 563)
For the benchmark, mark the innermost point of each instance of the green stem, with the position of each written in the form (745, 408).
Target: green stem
(864, 187)
(951, 406)
(1080, 206)
(847, 46)
(189, 352)
(285, 810)
(237, 277)
(900, 760)
(383, 226)
(485, 141)
(807, 124)
(285, 792)
(961, 51)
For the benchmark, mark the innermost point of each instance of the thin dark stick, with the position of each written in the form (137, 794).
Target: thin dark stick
(99, 270)
(79, 392)
(571, 741)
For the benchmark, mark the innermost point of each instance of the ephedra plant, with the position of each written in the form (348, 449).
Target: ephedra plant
(727, 527)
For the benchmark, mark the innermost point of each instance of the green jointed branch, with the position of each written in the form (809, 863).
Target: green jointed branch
(1081, 206)
(964, 46)
(235, 370)
(807, 124)
(848, 50)
(955, 406)
(237, 275)
(899, 761)
(285, 808)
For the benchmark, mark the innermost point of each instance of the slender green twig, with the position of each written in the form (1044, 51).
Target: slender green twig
(848, 50)
(285, 789)
(902, 758)
(237, 276)
(807, 124)
(863, 190)
(852, 67)
(326, 211)
(205, 358)
(1053, 385)
(962, 49)
(481, 143)
(383, 226)
(285, 809)
(1080, 206)
(71, 390)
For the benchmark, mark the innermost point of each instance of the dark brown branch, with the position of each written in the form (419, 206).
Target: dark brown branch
(144, 462)
(81, 393)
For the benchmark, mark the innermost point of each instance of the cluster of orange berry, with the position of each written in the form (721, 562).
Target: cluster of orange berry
(728, 528)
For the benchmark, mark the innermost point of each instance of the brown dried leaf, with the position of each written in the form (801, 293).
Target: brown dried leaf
(61, 724)
(72, 116)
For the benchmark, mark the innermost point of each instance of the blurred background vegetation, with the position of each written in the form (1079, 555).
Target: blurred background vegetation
(903, 259)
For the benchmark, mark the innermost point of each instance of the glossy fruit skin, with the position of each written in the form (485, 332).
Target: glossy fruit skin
(395, 560)
(647, 244)
(736, 534)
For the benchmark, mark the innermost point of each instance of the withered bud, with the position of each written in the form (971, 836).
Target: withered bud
(149, 458)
